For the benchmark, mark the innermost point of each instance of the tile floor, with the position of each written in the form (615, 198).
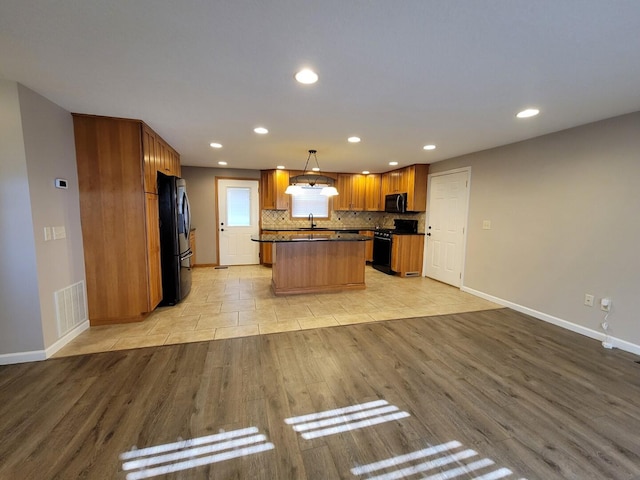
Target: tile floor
(238, 301)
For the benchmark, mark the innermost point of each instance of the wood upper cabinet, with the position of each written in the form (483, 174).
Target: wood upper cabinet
(394, 182)
(406, 254)
(373, 201)
(158, 157)
(117, 161)
(273, 184)
(411, 180)
(351, 192)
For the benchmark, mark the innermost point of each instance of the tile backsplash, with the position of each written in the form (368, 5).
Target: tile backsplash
(275, 219)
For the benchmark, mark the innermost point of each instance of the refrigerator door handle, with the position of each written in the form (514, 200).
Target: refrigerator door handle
(188, 255)
(187, 214)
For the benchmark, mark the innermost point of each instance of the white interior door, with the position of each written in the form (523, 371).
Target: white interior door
(448, 203)
(238, 212)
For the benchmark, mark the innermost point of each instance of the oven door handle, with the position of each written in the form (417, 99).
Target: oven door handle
(383, 238)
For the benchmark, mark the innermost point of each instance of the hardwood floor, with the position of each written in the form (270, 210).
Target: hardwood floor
(492, 394)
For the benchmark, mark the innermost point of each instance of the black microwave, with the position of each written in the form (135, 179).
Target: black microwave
(395, 203)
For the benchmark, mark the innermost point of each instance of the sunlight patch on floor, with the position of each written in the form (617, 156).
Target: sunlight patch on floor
(354, 417)
(186, 454)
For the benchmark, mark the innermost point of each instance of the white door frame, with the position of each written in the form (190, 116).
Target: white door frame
(217, 219)
(466, 220)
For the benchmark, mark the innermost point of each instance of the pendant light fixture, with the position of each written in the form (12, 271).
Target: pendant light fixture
(311, 179)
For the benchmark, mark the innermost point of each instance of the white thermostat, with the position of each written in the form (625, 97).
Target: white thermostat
(61, 183)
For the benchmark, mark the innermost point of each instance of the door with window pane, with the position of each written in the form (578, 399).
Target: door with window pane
(238, 212)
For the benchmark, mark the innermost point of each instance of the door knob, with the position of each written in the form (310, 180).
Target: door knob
(429, 234)
(222, 229)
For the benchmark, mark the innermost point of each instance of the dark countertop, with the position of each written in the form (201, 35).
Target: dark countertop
(329, 230)
(298, 236)
(319, 229)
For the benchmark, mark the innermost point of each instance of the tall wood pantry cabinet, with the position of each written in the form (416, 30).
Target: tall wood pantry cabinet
(118, 160)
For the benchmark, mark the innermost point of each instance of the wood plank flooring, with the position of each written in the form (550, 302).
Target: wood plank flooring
(491, 394)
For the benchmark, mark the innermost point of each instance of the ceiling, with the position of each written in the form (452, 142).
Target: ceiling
(398, 74)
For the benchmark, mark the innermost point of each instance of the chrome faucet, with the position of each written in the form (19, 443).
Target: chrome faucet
(310, 218)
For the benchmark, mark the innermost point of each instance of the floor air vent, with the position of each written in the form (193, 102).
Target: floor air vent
(71, 307)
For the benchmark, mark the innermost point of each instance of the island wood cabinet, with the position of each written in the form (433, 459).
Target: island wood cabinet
(273, 184)
(406, 254)
(411, 180)
(119, 215)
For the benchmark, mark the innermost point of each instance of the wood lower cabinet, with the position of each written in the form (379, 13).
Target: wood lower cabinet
(120, 221)
(154, 267)
(406, 255)
(266, 249)
(368, 246)
(192, 246)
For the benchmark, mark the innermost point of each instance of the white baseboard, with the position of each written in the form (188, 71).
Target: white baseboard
(61, 342)
(22, 357)
(588, 332)
(39, 355)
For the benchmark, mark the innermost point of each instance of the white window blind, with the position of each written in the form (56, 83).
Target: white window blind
(238, 207)
(310, 201)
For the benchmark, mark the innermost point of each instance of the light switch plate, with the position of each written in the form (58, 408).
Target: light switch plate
(47, 234)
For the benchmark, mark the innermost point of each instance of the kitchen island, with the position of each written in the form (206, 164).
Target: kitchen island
(316, 262)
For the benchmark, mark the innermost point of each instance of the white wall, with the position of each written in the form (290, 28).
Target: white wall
(36, 146)
(20, 326)
(201, 188)
(50, 153)
(564, 212)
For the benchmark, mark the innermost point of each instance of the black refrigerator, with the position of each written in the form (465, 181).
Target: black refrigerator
(175, 226)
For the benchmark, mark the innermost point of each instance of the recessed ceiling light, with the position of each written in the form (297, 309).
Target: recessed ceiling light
(365, 172)
(316, 169)
(529, 112)
(393, 164)
(307, 76)
(429, 147)
(222, 163)
(261, 130)
(215, 145)
(280, 167)
(353, 139)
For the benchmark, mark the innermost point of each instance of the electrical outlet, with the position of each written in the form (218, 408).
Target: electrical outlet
(588, 300)
(486, 224)
(59, 232)
(605, 304)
